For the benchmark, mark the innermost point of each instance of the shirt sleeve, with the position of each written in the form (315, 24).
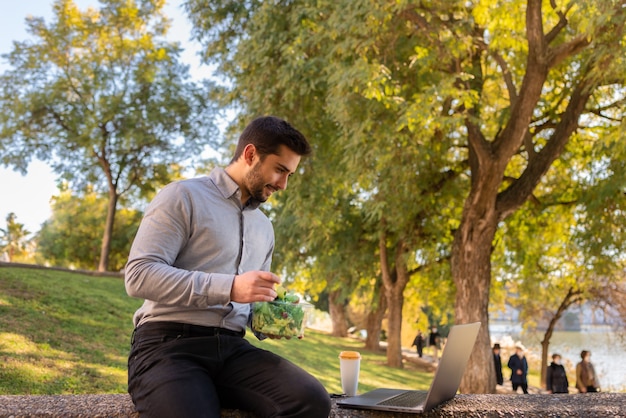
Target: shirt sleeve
(150, 272)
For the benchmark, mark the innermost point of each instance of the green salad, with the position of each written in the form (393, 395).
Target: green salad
(282, 318)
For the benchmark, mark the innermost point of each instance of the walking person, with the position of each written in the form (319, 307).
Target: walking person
(556, 377)
(586, 377)
(418, 342)
(497, 363)
(519, 370)
(434, 341)
(201, 256)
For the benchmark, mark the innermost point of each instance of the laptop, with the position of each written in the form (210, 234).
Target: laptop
(444, 386)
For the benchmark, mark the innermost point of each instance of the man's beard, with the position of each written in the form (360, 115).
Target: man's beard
(255, 184)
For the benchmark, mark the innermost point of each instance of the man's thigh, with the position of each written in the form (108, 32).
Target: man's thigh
(260, 381)
(170, 379)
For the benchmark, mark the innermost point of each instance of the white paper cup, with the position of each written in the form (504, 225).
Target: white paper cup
(349, 365)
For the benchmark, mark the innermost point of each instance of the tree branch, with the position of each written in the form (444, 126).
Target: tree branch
(506, 75)
(511, 137)
(515, 195)
(504, 67)
(534, 33)
(562, 23)
(558, 54)
(439, 261)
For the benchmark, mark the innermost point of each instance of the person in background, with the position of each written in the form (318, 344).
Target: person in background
(201, 256)
(586, 378)
(519, 370)
(418, 342)
(497, 362)
(434, 340)
(556, 378)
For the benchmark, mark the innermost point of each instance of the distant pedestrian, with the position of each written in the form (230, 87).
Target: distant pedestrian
(556, 378)
(419, 343)
(519, 370)
(497, 362)
(434, 340)
(586, 377)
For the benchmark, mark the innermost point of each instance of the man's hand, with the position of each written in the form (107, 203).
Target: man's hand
(254, 286)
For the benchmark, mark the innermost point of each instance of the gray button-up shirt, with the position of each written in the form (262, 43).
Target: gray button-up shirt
(194, 238)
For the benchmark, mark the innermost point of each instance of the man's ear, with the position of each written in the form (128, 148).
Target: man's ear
(249, 154)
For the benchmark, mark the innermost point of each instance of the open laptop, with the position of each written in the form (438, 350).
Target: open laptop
(444, 386)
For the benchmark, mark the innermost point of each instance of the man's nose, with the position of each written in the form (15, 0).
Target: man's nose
(282, 182)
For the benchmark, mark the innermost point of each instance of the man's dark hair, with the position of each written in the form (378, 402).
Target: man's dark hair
(268, 133)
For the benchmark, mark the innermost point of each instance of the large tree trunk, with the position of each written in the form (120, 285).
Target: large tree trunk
(471, 269)
(338, 317)
(374, 321)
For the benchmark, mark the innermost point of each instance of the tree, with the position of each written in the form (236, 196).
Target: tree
(558, 82)
(102, 96)
(449, 116)
(71, 237)
(13, 238)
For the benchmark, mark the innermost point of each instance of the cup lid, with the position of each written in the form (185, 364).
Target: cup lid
(351, 355)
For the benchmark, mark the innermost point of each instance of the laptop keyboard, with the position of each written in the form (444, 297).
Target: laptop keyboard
(409, 398)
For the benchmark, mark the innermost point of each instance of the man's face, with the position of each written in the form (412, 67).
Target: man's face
(270, 174)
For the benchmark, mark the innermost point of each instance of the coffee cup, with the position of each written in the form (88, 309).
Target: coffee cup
(349, 365)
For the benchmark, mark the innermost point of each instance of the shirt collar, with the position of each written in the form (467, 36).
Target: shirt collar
(229, 187)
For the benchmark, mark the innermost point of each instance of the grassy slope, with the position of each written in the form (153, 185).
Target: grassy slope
(64, 332)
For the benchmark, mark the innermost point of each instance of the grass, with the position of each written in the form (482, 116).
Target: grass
(68, 333)
(63, 332)
(318, 353)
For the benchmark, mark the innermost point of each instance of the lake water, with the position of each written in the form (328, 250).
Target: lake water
(608, 352)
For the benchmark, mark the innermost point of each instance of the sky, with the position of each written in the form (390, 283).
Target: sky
(29, 196)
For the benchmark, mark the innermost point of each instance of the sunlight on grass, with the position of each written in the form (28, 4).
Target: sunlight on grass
(21, 345)
(67, 333)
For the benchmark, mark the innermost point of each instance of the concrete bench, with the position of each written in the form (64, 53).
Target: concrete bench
(600, 405)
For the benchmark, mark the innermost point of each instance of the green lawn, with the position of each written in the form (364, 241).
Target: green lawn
(63, 332)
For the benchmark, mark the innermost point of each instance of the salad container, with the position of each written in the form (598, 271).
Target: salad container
(280, 319)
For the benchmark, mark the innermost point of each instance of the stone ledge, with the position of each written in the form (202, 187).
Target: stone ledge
(599, 405)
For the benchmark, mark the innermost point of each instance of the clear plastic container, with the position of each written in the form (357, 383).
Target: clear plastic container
(280, 319)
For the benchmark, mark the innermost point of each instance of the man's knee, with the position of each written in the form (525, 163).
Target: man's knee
(314, 402)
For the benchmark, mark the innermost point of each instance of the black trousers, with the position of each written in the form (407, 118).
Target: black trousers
(182, 370)
(523, 385)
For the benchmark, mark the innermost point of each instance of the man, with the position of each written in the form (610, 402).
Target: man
(434, 340)
(556, 377)
(586, 378)
(201, 256)
(418, 342)
(497, 363)
(519, 370)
